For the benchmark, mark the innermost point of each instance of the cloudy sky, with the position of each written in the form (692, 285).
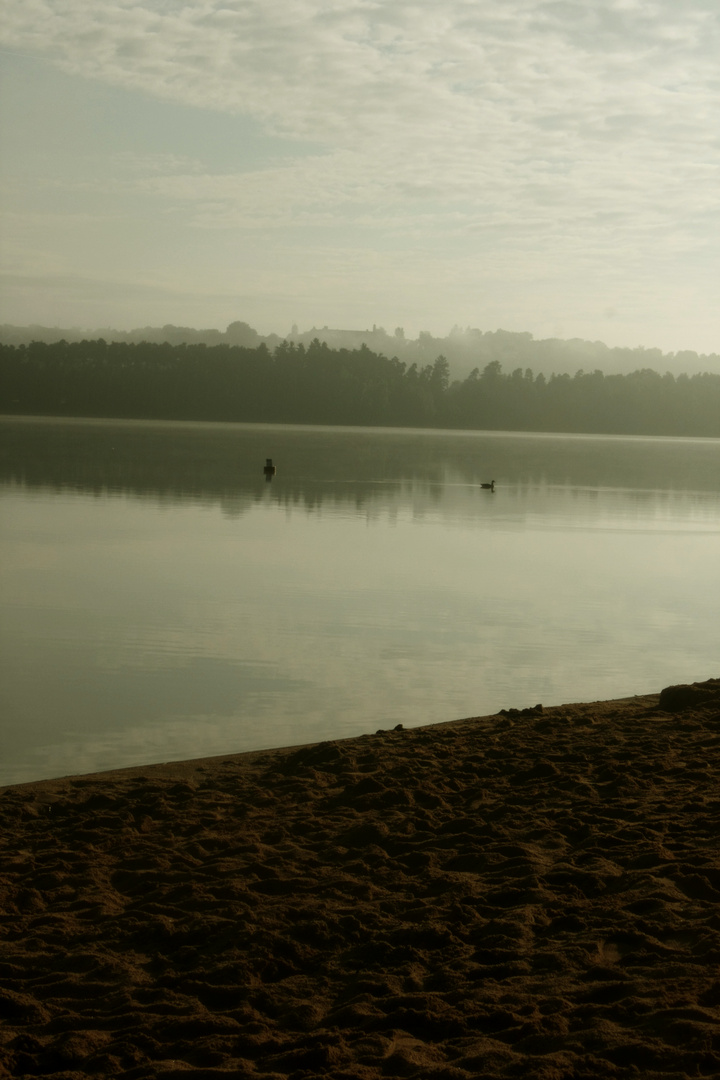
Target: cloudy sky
(525, 164)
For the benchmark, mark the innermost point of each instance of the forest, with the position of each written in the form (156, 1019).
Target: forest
(318, 384)
(463, 348)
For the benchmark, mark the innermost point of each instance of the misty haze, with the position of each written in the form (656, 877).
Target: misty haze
(181, 374)
(464, 348)
(359, 539)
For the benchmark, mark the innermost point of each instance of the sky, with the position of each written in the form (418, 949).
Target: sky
(549, 166)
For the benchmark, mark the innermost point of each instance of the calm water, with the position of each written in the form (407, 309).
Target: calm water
(160, 601)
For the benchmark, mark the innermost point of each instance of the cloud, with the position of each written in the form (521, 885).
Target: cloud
(551, 130)
(355, 69)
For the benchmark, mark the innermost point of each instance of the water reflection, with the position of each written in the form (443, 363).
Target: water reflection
(159, 599)
(223, 464)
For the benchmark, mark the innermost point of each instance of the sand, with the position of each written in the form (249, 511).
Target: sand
(532, 894)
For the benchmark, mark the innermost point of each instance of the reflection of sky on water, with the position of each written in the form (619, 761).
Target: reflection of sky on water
(144, 629)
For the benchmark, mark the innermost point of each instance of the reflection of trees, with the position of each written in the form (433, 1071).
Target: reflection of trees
(222, 464)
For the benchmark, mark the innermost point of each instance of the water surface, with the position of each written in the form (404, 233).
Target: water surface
(159, 600)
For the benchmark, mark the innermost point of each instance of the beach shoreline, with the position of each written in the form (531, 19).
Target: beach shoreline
(534, 893)
(186, 766)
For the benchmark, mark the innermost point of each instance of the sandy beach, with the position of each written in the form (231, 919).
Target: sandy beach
(531, 894)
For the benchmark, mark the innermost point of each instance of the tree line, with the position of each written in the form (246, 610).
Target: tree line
(317, 384)
(464, 349)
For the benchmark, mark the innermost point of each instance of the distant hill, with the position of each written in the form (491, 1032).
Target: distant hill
(463, 349)
(237, 333)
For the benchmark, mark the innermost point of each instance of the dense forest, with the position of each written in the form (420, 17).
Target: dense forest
(317, 384)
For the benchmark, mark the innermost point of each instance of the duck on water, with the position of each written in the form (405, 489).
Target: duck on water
(270, 470)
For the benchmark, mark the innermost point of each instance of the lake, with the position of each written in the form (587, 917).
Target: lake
(160, 600)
